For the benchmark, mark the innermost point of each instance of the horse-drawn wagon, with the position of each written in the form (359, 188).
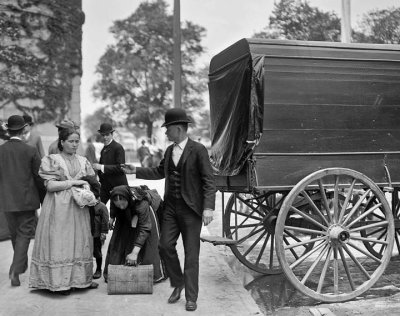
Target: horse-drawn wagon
(306, 144)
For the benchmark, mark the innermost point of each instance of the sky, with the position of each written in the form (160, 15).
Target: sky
(226, 22)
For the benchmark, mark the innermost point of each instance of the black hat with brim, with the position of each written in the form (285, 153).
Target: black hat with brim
(176, 116)
(16, 123)
(106, 128)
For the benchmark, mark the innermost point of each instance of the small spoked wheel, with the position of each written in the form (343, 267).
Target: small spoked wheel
(339, 266)
(250, 220)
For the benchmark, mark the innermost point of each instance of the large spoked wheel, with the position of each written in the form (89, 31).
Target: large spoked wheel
(251, 220)
(339, 267)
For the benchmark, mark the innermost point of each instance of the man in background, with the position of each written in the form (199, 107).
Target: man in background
(22, 191)
(31, 137)
(144, 155)
(112, 156)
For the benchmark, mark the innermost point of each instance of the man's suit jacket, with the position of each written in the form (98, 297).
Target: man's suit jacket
(34, 140)
(112, 156)
(198, 184)
(22, 188)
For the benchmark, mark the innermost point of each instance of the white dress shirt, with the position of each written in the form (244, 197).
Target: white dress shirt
(178, 150)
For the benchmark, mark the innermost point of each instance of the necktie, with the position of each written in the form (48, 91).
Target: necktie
(176, 154)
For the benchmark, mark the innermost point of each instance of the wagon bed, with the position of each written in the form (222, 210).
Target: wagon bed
(296, 107)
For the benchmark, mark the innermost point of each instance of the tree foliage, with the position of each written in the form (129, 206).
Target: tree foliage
(297, 20)
(379, 26)
(136, 73)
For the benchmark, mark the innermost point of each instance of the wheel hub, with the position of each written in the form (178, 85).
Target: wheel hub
(338, 234)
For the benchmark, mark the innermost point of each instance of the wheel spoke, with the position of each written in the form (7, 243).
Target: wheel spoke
(254, 244)
(346, 201)
(372, 209)
(314, 264)
(324, 199)
(307, 254)
(336, 200)
(305, 230)
(314, 207)
(262, 249)
(249, 235)
(346, 268)
(377, 224)
(357, 262)
(244, 226)
(308, 218)
(373, 241)
(396, 237)
(324, 269)
(355, 207)
(305, 242)
(291, 249)
(375, 231)
(271, 254)
(335, 272)
(364, 252)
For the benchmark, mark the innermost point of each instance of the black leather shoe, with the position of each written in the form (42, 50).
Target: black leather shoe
(176, 294)
(15, 279)
(97, 274)
(191, 306)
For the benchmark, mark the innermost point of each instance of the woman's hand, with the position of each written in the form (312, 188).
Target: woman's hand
(131, 259)
(111, 223)
(78, 183)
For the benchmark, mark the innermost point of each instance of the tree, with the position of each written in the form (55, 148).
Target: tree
(379, 26)
(136, 73)
(297, 20)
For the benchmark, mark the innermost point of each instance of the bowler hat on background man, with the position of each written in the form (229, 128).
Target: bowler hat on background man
(176, 116)
(15, 123)
(106, 128)
(66, 123)
(28, 119)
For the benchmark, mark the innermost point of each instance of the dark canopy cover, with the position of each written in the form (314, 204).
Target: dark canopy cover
(236, 107)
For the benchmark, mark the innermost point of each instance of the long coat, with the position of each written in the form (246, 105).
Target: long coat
(22, 188)
(198, 186)
(112, 156)
(35, 140)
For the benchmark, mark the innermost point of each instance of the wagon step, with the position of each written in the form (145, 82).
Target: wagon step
(217, 240)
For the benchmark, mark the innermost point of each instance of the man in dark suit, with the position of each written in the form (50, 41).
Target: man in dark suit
(31, 137)
(112, 156)
(189, 201)
(21, 192)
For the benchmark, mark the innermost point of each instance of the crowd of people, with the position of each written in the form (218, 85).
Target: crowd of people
(72, 189)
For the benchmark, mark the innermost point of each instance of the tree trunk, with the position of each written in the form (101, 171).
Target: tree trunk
(149, 129)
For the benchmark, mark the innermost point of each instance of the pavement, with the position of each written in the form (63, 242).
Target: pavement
(221, 292)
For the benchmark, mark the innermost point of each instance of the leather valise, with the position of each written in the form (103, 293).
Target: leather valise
(130, 280)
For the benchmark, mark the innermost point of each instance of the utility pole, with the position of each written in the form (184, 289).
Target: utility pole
(177, 54)
(346, 24)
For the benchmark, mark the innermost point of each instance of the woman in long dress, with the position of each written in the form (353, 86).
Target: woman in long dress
(136, 232)
(62, 256)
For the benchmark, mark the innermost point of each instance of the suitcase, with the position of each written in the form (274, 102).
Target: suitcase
(130, 280)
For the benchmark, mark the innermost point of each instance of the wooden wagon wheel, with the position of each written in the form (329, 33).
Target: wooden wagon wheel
(339, 267)
(251, 220)
(380, 232)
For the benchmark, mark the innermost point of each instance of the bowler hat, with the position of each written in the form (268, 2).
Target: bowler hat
(66, 123)
(105, 128)
(15, 123)
(28, 119)
(175, 116)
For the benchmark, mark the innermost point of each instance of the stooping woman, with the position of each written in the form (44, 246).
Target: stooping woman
(62, 256)
(136, 232)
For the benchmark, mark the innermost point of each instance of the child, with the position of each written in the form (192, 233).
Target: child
(98, 223)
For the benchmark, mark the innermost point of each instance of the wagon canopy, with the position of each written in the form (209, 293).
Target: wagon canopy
(295, 107)
(236, 106)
